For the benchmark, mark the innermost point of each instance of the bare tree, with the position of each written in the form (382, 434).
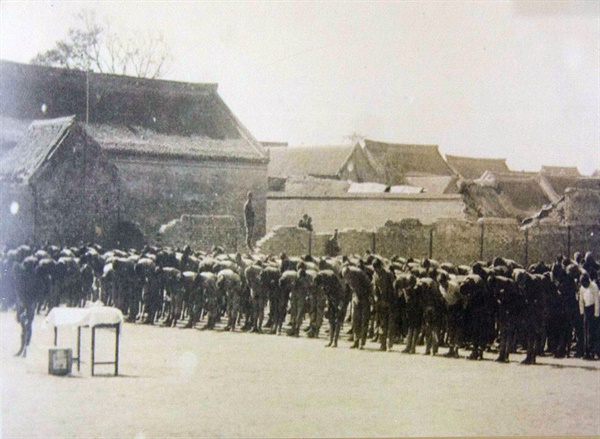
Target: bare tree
(91, 46)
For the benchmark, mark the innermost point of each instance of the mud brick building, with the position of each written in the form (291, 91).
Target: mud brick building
(177, 148)
(56, 184)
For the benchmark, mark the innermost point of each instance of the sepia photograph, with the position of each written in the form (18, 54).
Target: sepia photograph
(285, 219)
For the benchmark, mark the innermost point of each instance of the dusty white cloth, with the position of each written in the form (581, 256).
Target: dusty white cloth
(93, 316)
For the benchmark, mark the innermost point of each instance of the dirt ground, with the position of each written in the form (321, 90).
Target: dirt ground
(193, 383)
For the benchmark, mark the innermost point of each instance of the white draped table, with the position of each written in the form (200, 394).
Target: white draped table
(96, 316)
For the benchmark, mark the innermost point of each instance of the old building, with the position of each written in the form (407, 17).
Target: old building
(366, 161)
(361, 186)
(56, 184)
(178, 148)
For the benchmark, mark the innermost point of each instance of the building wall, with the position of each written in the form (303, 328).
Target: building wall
(156, 192)
(16, 228)
(71, 200)
(360, 211)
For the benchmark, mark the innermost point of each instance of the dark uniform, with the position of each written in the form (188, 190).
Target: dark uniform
(360, 285)
(301, 291)
(337, 302)
(383, 287)
(249, 218)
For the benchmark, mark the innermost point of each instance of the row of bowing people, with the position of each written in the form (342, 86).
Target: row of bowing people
(487, 305)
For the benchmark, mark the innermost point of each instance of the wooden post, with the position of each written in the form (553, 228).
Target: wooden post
(374, 243)
(526, 247)
(310, 243)
(55, 336)
(431, 243)
(569, 241)
(481, 243)
(78, 348)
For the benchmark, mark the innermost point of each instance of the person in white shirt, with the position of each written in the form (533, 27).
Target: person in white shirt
(455, 306)
(589, 308)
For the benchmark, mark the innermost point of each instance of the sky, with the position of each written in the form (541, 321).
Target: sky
(498, 79)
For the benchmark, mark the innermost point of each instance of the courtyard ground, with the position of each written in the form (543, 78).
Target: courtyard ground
(192, 383)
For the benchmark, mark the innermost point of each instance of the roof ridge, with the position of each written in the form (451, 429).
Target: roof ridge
(212, 86)
(475, 158)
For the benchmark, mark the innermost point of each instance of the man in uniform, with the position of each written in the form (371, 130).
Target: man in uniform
(383, 285)
(249, 217)
(455, 303)
(333, 247)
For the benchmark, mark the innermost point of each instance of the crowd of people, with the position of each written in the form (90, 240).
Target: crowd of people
(488, 306)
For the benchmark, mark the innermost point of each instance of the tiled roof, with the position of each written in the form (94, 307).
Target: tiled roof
(301, 161)
(472, 168)
(138, 141)
(567, 171)
(154, 108)
(434, 184)
(395, 161)
(35, 148)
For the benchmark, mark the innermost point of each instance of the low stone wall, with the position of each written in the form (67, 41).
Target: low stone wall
(201, 232)
(456, 241)
(291, 240)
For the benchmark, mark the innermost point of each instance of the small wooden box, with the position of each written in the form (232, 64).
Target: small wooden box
(60, 361)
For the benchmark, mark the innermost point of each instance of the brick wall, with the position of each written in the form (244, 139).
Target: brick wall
(456, 241)
(585, 238)
(201, 232)
(16, 228)
(350, 241)
(582, 206)
(72, 199)
(502, 237)
(360, 211)
(291, 240)
(408, 237)
(545, 241)
(158, 191)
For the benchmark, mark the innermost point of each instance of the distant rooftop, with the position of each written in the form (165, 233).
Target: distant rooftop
(566, 171)
(472, 168)
(396, 160)
(304, 161)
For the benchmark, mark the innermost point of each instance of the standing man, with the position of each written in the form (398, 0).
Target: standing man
(249, 221)
(332, 247)
(383, 287)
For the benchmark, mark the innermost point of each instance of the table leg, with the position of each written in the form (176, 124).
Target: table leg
(93, 347)
(118, 328)
(78, 348)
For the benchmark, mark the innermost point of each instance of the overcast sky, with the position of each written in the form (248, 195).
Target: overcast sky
(518, 80)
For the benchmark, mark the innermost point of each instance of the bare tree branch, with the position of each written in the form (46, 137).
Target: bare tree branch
(91, 46)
